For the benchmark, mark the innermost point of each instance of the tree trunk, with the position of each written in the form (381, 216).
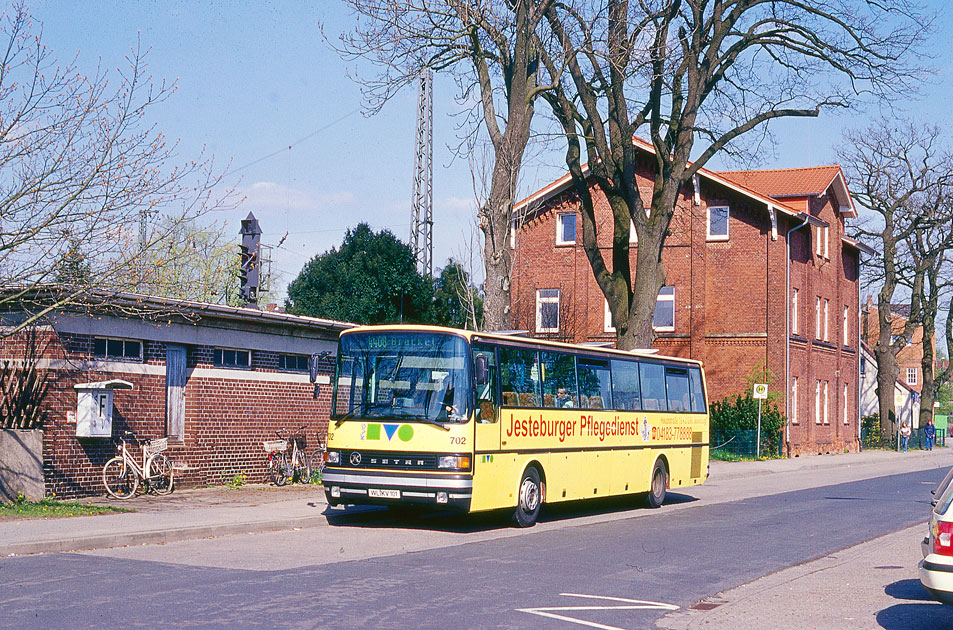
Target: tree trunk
(927, 391)
(649, 278)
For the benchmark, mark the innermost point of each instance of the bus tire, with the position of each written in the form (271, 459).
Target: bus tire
(529, 499)
(656, 494)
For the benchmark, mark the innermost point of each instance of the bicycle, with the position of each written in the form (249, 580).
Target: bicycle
(316, 462)
(122, 474)
(283, 466)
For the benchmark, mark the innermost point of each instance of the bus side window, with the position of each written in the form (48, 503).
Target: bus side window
(484, 394)
(626, 394)
(519, 376)
(676, 389)
(594, 383)
(652, 380)
(697, 392)
(559, 379)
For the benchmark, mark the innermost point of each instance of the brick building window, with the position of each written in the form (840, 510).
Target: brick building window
(846, 405)
(127, 349)
(609, 328)
(794, 400)
(911, 376)
(664, 319)
(633, 235)
(826, 402)
(794, 327)
(822, 242)
(817, 318)
(293, 362)
(566, 229)
(225, 357)
(827, 330)
(547, 310)
(817, 401)
(846, 325)
(718, 223)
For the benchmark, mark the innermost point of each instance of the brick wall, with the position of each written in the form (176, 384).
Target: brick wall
(730, 302)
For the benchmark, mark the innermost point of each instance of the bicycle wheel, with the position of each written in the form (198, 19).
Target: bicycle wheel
(119, 479)
(316, 463)
(278, 468)
(160, 474)
(302, 469)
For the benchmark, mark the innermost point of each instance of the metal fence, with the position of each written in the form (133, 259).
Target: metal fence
(742, 444)
(870, 438)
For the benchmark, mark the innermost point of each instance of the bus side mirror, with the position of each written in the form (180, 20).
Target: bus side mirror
(482, 369)
(314, 362)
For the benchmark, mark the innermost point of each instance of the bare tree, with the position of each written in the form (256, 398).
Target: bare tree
(489, 48)
(84, 176)
(901, 175)
(697, 78)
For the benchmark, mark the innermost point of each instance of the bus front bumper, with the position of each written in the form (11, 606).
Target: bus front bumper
(348, 486)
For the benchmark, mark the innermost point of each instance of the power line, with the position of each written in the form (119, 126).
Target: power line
(292, 145)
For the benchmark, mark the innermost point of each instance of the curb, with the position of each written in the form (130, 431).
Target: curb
(177, 534)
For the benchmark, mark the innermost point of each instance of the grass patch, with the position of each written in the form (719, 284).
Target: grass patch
(50, 507)
(728, 456)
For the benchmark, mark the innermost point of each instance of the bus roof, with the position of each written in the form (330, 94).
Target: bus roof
(513, 339)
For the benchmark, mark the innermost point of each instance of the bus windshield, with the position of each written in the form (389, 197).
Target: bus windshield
(409, 375)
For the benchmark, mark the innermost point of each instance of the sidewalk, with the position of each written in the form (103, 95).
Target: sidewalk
(220, 511)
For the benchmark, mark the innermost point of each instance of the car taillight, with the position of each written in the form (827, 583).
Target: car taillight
(943, 538)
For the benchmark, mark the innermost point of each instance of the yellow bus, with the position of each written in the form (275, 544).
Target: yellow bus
(477, 421)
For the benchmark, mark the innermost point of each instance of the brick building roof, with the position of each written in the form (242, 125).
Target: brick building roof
(786, 182)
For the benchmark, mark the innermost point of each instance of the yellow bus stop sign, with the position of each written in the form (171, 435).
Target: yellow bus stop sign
(760, 391)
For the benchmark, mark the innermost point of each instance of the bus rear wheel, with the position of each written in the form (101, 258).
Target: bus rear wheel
(656, 495)
(529, 500)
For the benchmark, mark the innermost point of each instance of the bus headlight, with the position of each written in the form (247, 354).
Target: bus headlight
(334, 457)
(456, 462)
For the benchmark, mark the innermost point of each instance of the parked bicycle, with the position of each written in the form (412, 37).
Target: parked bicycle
(317, 460)
(123, 474)
(284, 465)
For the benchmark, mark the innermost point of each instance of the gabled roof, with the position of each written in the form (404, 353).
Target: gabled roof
(809, 181)
(564, 182)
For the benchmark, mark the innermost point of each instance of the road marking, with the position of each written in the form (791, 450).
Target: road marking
(631, 604)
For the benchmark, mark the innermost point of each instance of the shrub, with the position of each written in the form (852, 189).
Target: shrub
(740, 413)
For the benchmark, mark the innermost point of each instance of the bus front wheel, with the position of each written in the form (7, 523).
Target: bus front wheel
(529, 499)
(659, 481)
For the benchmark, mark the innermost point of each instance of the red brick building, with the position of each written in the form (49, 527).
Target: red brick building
(216, 380)
(747, 251)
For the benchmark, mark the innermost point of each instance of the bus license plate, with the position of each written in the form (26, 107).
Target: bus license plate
(377, 493)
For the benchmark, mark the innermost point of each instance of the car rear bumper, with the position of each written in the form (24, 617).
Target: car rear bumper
(937, 578)
(358, 487)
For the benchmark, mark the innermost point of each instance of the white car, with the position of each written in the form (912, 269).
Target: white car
(936, 568)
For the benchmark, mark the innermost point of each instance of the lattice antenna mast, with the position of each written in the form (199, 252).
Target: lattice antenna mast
(421, 210)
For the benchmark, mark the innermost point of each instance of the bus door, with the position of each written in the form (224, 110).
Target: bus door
(486, 405)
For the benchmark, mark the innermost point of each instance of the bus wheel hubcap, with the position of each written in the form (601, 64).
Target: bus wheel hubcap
(529, 495)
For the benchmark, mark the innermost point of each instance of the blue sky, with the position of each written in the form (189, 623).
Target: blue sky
(255, 78)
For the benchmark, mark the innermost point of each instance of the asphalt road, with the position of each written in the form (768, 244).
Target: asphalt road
(620, 574)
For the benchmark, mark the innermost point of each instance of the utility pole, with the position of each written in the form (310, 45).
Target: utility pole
(421, 207)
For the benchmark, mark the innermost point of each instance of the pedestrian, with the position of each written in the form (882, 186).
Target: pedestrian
(904, 435)
(929, 432)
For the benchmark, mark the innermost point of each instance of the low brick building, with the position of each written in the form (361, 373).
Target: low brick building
(216, 380)
(760, 271)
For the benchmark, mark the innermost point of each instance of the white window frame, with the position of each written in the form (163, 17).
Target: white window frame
(827, 330)
(846, 326)
(548, 299)
(846, 399)
(719, 237)
(817, 318)
(665, 298)
(826, 402)
(817, 401)
(633, 235)
(559, 228)
(794, 328)
(912, 375)
(821, 247)
(609, 328)
(794, 400)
